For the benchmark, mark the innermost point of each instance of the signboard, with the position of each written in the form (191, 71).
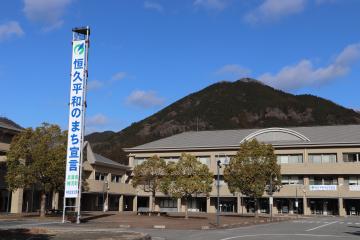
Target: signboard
(355, 188)
(74, 146)
(322, 187)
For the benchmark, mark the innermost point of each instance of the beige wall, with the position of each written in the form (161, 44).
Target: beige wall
(339, 170)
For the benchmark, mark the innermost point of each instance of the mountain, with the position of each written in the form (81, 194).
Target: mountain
(246, 103)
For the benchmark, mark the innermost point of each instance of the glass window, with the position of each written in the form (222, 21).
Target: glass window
(225, 160)
(293, 158)
(323, 180)
(352, 180)
(351, 157)
(168, 203)
(291, 180)
(138, 161)
(115, 178)
(204, 160)
(171, 159)
(322, 158)
(100, 176)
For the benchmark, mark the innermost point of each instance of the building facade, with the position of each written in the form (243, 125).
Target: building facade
(320, 169)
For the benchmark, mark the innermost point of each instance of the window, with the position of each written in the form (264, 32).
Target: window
(291, 180)
(138, 161)
(204, 160)
(293, 158)
(352, 180)
(115, 178)
(323, 180)
(171, 159)
(322, 158)
(168, 203)
(224, 159)
(351, 157)
(100, 176)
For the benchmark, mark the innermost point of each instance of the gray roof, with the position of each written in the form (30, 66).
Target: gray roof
(9, 126)
(97, 159)
(279, 137)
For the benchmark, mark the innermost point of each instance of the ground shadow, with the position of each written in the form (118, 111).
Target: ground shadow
(23, 234)
(86, 219)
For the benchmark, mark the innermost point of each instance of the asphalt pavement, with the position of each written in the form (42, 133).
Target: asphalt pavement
(309, 228)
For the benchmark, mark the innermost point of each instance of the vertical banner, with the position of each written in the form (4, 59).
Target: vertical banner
(76, 112)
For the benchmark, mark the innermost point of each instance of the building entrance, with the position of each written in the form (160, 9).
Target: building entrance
(324, 206)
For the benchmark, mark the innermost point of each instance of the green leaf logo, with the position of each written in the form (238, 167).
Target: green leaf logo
(79, 48)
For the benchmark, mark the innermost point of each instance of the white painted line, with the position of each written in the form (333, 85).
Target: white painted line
(324, 225)
(357, 223)
(284, 234)
(341, 222)
(349, 223)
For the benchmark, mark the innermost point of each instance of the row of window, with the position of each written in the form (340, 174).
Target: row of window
(281, 158)
(100, 176)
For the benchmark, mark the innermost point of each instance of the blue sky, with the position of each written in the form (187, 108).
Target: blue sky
(146, 54)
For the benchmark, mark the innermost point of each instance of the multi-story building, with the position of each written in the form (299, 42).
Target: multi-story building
(319, 165)
(320, 169)
(7, 132)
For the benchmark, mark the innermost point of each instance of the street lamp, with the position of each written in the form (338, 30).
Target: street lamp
(218, 163)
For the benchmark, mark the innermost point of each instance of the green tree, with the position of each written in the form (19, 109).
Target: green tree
(38, 157)
(250, 171)
(186, 178)
(149, 175)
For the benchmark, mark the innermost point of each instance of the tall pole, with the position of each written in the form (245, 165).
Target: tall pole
(218, 193)
(297, 202)
(271, 198)
(77, 105)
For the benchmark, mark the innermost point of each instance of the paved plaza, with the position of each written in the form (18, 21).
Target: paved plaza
(302, 228)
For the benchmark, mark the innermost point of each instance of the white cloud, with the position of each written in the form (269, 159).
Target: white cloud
(153, 6)
(96, 120)
(119, 76)
(94, 84)
(10, 29)
(272, 10)
(304, 73)
(47, 12)
(211, 4)
(233, 71)
(144, 99)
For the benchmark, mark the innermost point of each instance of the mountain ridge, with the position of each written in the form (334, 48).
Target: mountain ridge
(246, 103)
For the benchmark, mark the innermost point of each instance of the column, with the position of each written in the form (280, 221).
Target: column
(121, 203)
(342, 211)
(239, 204)
(306, 207)
(291, 206)
(17, 200)
(208, 205)
(179, 205)
(135, 204)
(151, 200)
(274, 207)
(55, 201)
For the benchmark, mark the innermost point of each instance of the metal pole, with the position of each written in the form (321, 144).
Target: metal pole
(297, 203)
(271, 199)
(83, 125)
(218, 193)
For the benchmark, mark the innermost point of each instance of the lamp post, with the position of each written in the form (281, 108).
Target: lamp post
(218, 163)
(271, 198)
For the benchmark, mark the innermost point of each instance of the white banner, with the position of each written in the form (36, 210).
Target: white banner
(75, 119)
(355, 188)
(322, 187)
